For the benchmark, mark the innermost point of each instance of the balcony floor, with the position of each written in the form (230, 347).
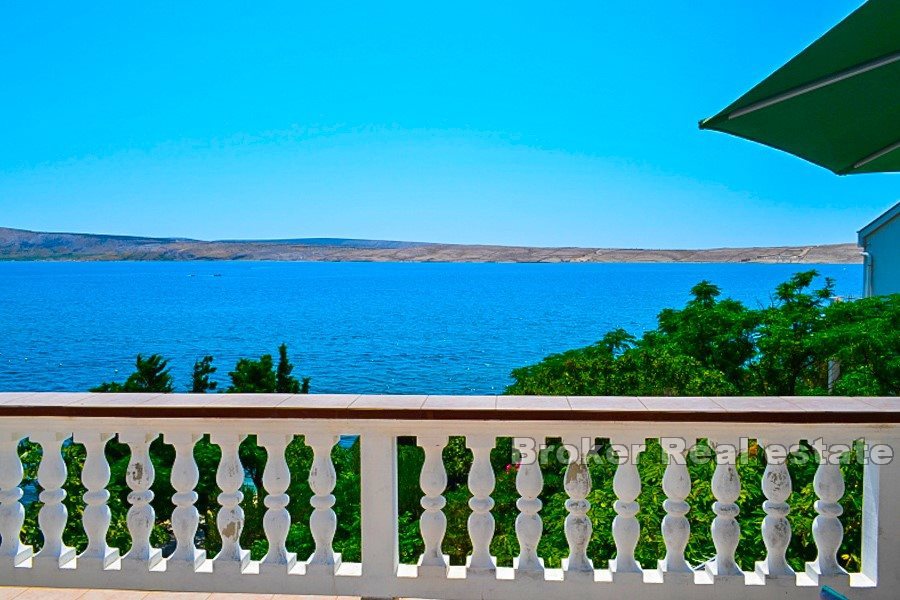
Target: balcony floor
(36, 593)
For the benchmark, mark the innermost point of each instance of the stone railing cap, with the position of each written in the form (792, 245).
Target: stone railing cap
(795, 409)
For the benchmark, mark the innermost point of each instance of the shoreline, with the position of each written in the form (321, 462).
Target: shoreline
(426, 262)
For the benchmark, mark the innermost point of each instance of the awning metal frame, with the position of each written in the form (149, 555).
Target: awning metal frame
(815, 85)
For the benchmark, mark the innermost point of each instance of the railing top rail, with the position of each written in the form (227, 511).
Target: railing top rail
(738, 409)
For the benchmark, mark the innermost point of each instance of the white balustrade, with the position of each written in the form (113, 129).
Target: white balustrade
(433, 522)
(625, 528)
(12, 513)
(676, 528)
(828, 532)
(277, 520)
(230, 518)
(185, 517)
(53, 516)
(141, 516)
(726, 531)
(576, 507)
(577, 484)
(96, 517)
(529, 526)
(323, 521)
(776, 529)
(481, 522)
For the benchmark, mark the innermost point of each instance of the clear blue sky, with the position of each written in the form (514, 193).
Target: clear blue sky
(545, 123)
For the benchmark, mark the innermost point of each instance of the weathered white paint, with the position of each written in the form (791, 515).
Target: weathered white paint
(625, 527)
(577, 483)
(827, 528)
(726, 531)
(776, 529)
(141, 516)
(230, 519)
(380, 574)
(676, 528)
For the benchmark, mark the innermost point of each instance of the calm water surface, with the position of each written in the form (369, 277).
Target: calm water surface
(351, 327)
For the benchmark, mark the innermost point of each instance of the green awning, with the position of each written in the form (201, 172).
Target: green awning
(837, 103)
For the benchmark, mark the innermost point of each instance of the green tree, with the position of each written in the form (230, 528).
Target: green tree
(253, 376)
(721, 347)
(284, 382)
(151, 375)
(718, 334)
(203, 368)
(786, 363)
(863, 338)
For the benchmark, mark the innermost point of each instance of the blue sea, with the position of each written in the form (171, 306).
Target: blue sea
(352, 327)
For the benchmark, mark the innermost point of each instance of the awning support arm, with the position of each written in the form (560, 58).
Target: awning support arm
(876, 155)
(818, 84)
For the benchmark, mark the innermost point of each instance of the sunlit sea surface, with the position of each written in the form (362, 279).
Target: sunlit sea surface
(351, 327)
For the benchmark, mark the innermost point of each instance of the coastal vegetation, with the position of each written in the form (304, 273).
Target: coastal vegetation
(805, 342)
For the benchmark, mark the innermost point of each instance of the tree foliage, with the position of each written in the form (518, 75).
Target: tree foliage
(200, 376)
(261, 377)
(284, 382)
(151, 374)
(253, 376)
(720, 347)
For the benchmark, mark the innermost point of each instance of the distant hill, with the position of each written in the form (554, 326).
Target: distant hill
(337, 242)
(20, 244)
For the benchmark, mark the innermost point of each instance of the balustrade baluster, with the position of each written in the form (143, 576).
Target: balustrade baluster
(481, 521)
(577, 483)
(726, 531)
(776, 530)
(323, 521)
(529, 526)
(828, 532)
(277, 520)
(230, 519)
(626, 529)
(433, 522)
(96, 517)
(12, 513)
(53, 515)
(676, 529)
(185, 517)
(141, 516)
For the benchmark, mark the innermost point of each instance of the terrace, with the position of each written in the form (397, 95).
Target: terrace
(92, 420)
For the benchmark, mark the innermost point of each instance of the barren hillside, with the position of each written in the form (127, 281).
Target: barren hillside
(19, 244)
